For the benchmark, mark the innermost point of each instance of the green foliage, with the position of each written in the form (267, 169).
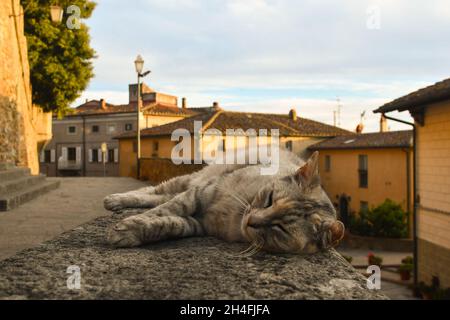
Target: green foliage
(434, 291)
(408, 260)
(374, 260)
(387, 220)
(60, 58)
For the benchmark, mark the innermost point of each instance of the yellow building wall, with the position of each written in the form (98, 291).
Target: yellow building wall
(153, 120)
(387, 176)
(433, 183)
(165, 145)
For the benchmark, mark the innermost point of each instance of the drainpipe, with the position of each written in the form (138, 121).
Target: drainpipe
(414, 195)
(84, 146)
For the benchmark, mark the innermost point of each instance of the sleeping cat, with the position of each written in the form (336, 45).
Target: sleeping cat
(288, 212)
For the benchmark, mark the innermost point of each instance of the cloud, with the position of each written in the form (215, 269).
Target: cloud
(273, 53)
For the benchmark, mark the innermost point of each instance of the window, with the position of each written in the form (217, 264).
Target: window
(327, 163)
(289, 145)
(47, 156)
(71, 130)
(363, 171)
(95, 129)
(221, 145)
(111, 155)
(72, 154)
(95, 157)
(128, 127)
(363, 206)
(111, 128)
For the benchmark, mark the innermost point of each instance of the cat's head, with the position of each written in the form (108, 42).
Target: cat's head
(293, 214)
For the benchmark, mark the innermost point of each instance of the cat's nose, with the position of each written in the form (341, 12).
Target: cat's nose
(255, 222)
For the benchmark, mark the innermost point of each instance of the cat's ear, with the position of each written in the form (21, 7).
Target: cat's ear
(308, 175)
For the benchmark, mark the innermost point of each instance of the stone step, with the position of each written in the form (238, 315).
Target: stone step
(11, 186)
(13, 200)
(13, 173)
(6, 166)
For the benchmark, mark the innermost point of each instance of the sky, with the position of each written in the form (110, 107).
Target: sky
(274, 55)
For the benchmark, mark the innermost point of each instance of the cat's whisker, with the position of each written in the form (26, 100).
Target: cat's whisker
(250, 248)
(254, 251)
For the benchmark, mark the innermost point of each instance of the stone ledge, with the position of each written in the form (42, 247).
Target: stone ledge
(193, 268)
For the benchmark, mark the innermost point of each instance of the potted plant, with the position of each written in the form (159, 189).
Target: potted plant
(405, 270)
(372, 259)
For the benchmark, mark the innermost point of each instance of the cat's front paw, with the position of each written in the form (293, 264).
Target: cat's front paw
(113, 202)
(127, 233)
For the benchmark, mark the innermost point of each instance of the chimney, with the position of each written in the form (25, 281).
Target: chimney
(383, 124)
(215, 105)
(183, 103)
(359, 128)
(103, 104)
(293, 115)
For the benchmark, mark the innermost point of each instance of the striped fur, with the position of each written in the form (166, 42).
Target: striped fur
(286, 212)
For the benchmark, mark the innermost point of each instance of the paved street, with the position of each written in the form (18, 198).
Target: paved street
(392, 290)
(76, 201)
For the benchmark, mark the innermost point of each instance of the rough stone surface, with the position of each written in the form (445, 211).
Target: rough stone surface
(193, 268)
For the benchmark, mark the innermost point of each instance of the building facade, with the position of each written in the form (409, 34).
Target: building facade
(76, 146)
(295, 134)
(361, 171)
(24, 127)
(430, 108)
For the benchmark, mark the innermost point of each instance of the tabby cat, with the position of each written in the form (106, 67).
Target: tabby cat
(288, 212)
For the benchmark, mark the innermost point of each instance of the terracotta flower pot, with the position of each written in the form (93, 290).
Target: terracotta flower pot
(405, 275)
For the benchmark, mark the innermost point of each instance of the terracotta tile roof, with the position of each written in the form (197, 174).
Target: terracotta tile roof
(391, 139)
(223, 120)
(434, 93)
(93, 107)
(164, 109)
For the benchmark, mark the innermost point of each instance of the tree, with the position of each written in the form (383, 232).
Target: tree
(60, 57)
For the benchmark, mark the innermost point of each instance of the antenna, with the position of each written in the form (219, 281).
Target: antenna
(363, 114)
(338, 112)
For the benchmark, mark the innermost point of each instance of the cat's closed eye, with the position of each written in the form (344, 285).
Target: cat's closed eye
(269, 200)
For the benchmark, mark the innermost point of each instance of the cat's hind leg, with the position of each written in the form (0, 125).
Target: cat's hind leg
(140, 229)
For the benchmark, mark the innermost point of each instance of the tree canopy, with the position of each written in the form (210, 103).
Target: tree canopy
(59, 54)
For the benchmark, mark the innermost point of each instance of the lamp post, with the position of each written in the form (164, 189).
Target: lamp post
(104, 150)
(139, 64)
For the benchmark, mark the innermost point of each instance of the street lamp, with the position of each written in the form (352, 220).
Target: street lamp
(56, 14)
(139, 65)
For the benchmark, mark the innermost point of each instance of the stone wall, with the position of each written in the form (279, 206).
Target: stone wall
(157, 170)
(23, 127)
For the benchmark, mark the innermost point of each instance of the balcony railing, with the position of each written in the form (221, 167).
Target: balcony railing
(69, 165)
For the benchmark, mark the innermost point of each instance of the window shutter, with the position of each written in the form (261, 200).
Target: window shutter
(78, 155)
(100, 155)
(64, 153)
(42, 156)
(52, 155)
(116, 155)
(90, 155)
